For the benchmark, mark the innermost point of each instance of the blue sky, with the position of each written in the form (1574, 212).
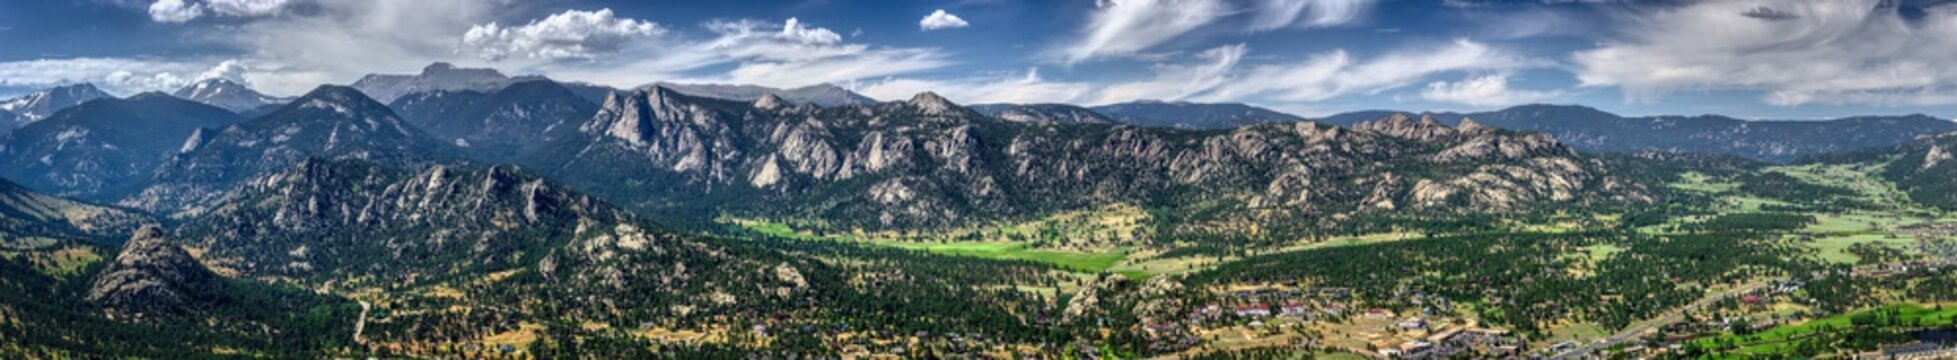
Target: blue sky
(1781, 59)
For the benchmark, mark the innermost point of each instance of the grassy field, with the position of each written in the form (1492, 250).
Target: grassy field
(1078, 261)
(1833, 231)
(1082, 261)
(1776, 342)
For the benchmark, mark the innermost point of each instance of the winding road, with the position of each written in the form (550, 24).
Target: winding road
(361, 323)
(1671, 316)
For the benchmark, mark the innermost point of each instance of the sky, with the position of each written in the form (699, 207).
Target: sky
(1763, 59)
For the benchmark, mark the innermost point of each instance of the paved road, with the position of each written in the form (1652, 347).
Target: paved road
(1672, 316)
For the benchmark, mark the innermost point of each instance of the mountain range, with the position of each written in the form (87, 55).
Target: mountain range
(1190, 115)
(104, 146)
(1771, 140)
(928, 162)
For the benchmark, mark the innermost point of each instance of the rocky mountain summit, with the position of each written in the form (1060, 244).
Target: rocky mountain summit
(152, 277)
(437, 76)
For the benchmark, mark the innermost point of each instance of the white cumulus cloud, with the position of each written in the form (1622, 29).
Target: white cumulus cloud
(573, 34)
(177, 11)
(174, 11)
(940, 19)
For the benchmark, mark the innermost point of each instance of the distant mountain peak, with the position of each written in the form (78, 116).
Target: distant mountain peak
(41, 104)
(825, 94)
(436, 76)
(1191, 115)
(1042, 113)
(225, 94)
(932, 104)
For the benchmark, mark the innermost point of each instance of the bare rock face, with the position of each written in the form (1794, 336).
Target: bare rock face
(1402, 126)
(151, 276)
(930, 103)
(1937, 155)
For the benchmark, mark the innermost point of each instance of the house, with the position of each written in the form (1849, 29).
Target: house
(1208, 311)
(1334, 310)
(1413, 323)
(1750, 299)
(1161, 328)
(1415, 349)
(1295, 309)
(1254, 310)
(1919, 350)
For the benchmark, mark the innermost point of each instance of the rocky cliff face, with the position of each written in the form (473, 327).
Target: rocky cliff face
(930, 162)
(152, 277)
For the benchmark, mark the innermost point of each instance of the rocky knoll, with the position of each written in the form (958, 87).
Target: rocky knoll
(152, 277)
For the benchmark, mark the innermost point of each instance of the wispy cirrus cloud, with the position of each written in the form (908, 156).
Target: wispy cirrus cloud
(1279, 14)
(1338, 73)
(1224, 74)
(1128, 28)
(1793, 52)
